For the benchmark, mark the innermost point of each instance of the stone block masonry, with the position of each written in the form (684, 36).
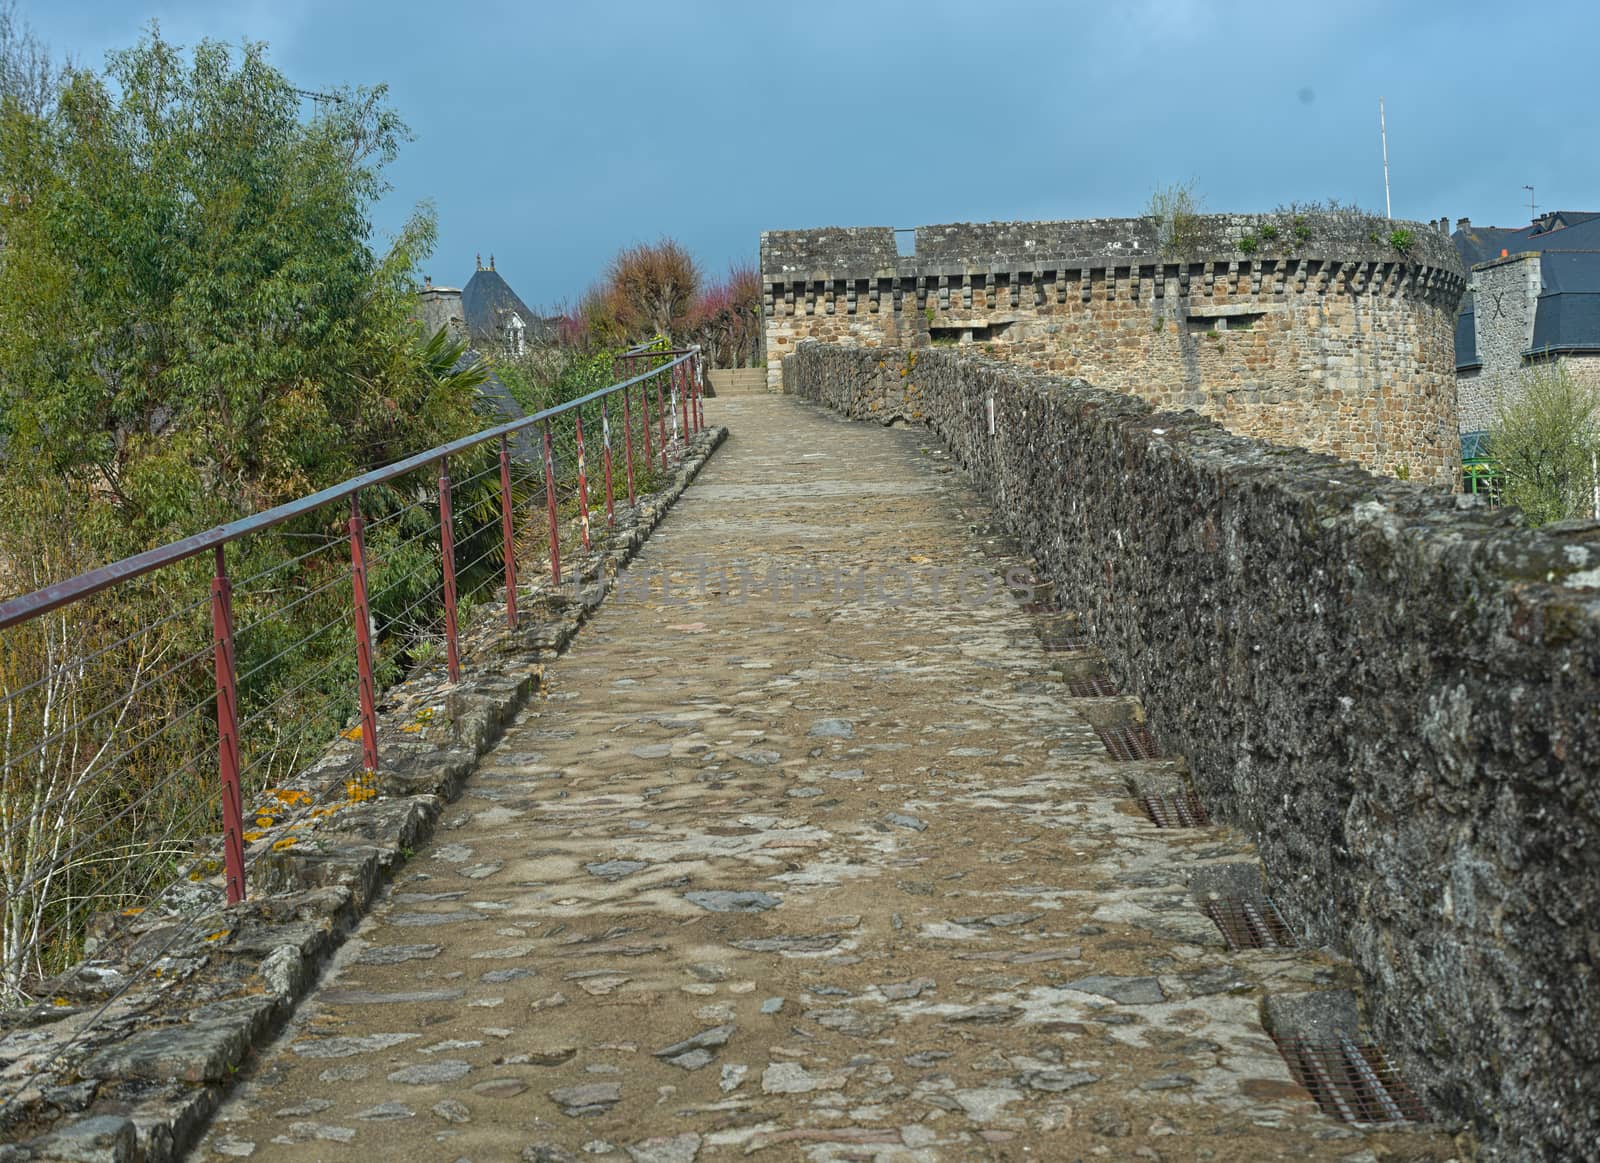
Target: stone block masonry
(1396, 693)
(1311, 330)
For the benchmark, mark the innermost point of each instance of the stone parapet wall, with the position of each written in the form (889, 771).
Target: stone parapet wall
(1329, 339)
(1397, 693)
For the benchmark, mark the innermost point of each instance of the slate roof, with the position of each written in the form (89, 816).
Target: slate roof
(1567, 315)
(500, 406)
(487, 301)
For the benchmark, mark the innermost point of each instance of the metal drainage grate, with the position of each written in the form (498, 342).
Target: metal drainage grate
(1183, 810)
(1353, 1083)
(1053, 645)
(1249, 924)
(1090, 688)
(1127, 743)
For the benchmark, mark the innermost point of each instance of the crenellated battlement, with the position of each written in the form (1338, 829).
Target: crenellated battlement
(1008, 284)
(1332, 331)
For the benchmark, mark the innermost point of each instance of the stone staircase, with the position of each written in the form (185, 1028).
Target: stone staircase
(742, 381)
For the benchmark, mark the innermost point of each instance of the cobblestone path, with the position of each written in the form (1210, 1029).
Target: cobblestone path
(821, 877)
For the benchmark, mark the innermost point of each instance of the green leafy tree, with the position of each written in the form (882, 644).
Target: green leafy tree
(193, 319)
(194, 325)
(1545, 441)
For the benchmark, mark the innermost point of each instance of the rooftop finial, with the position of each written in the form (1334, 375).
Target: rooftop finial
(479, 260)
(491, 261)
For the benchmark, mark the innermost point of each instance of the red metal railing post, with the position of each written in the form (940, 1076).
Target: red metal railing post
(644, 407)
(699, 392)
(683, 397)
(227, 732)
(605, 444)
(447, 551)
(583, 480)
(507, 531)
(661, 421)
(693, 377)
(627, 442)
(366, 687)
(550, 506)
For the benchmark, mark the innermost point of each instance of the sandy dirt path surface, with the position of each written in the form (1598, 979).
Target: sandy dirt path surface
(838, 872)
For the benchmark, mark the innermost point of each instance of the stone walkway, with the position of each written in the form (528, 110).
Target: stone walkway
(827, 876)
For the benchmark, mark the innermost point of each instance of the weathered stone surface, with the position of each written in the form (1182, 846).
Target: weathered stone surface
(717, 901)
(385, 1112)
(1332, 653)
(586, 1100)
(710, 1039)
(373, 997)
(432, 1073)
(396, 954)
(98, 1139)
(1031, 836)
(683, 1148)
(1132, 991)
(199, 1053)
(615, 869)
(793, 1078)
(1056, 1080)
(345, 1047)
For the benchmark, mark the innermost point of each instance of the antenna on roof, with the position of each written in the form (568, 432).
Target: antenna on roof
(1533, 208)
(1383, 133)
(317, 98)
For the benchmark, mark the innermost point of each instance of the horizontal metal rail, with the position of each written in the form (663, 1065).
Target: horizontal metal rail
(180, 690)
(53, 597)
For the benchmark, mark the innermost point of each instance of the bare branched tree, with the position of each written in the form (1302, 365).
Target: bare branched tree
(27, 74)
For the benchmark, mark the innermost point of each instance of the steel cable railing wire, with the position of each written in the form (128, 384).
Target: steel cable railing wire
(12, 758)
(303, 641)
(158, 718)
(277, 614)
(61, 861)
(241, 584)
(284, 696)
(83, 660)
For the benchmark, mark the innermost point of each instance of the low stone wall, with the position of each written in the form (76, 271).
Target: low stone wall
(1398, 693)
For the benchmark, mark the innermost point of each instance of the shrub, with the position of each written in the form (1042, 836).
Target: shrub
(1544, 441)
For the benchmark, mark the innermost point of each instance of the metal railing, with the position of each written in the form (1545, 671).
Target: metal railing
(121, 687)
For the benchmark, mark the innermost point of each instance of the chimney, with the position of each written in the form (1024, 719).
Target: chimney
(1463, 224)
(427, 282)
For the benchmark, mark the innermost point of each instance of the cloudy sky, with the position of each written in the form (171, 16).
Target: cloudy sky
(552, 134)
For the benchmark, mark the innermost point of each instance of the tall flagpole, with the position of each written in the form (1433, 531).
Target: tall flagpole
(1383, 132)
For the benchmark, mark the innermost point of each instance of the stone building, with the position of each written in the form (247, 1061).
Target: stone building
(1335, 333)
(494, 322)
(496, 317)
(1534, 296)
(439, 308)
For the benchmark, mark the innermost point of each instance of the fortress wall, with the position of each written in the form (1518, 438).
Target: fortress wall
(1325, 336)
(1396, 692)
